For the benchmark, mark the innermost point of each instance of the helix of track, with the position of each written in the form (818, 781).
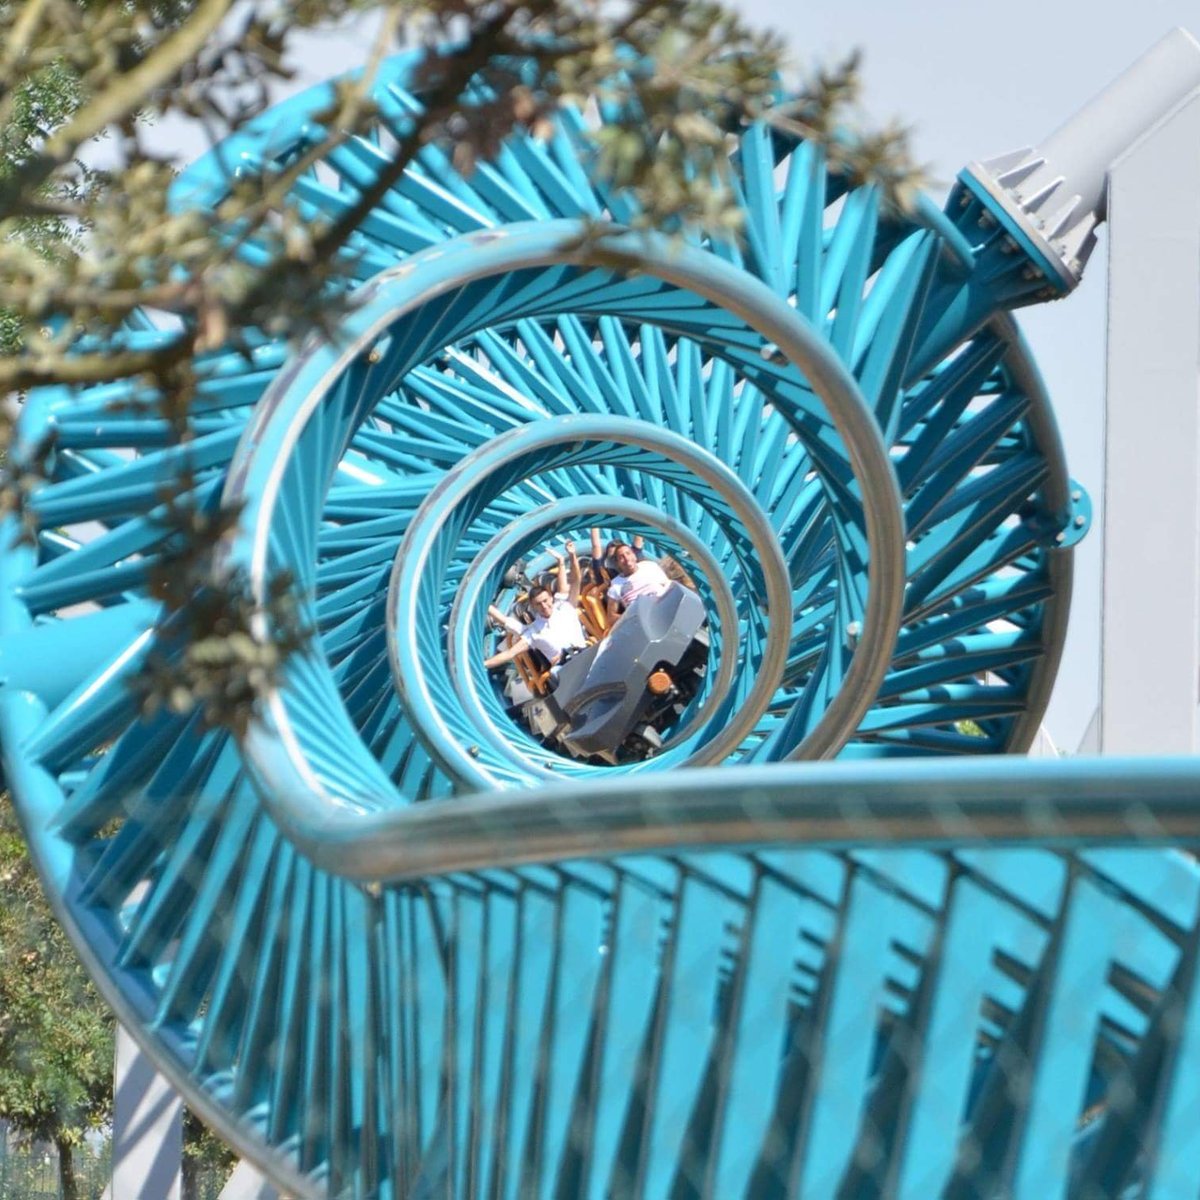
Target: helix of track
(835, 424)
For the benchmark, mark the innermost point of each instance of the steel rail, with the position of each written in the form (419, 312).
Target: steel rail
(98, 942)
(527, 443)
(1000, 801)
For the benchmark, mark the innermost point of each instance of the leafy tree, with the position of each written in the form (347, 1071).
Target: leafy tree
(41, 101)
(56, 1034)
(82, 248)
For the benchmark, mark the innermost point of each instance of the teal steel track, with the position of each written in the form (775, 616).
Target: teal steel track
(393, 947)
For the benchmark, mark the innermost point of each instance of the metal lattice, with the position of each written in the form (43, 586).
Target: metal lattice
(610, 981)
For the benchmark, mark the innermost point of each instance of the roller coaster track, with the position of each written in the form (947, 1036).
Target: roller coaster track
(390, 945)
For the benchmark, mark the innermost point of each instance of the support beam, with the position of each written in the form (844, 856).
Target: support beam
(54, 658)
(147, 1128)
(1150, 615)
(248, 1183)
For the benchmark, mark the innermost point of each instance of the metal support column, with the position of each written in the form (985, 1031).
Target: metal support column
(1150, 615)
(147, 1128)
(248, 1183)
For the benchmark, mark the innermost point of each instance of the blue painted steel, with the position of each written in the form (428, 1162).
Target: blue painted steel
(760, 573)
(809, 979)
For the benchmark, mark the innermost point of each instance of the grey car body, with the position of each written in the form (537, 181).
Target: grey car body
(602, 695)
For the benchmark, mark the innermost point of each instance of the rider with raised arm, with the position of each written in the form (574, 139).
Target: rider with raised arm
(555, 631)
(635, 578)
(602, 556)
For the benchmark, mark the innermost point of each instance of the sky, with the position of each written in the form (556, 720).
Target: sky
(974, 81)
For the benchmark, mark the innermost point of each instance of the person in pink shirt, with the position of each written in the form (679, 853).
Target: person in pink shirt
(602, 555)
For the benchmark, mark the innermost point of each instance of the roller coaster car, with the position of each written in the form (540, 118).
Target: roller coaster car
(614, 700)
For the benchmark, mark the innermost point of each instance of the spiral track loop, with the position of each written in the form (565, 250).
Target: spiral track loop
(832, 409)
(304, 423)
(418, 561)
(483, 578)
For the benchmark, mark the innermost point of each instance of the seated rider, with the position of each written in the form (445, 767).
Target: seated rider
(635, 578)
(555, 631)
(602, 556)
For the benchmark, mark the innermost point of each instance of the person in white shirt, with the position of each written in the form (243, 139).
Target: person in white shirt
(556, 630)
(602, 556)
(635, 578)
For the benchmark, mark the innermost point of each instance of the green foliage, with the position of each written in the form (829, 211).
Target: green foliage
(35, 1171)
(41, 103)
(43, 100)
(10, 331)
(83, 249)
(56, 1035)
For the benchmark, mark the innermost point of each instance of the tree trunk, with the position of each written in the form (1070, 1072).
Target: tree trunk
(68, 1187)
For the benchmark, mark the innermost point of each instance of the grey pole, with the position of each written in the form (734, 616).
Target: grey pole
(147, 1128)
(1055, 193)
(248, 1183)
(1150, 600)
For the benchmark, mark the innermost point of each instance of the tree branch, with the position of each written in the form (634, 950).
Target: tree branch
(119, 99)
(73, 370)
(468, 60)
(22, 34)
